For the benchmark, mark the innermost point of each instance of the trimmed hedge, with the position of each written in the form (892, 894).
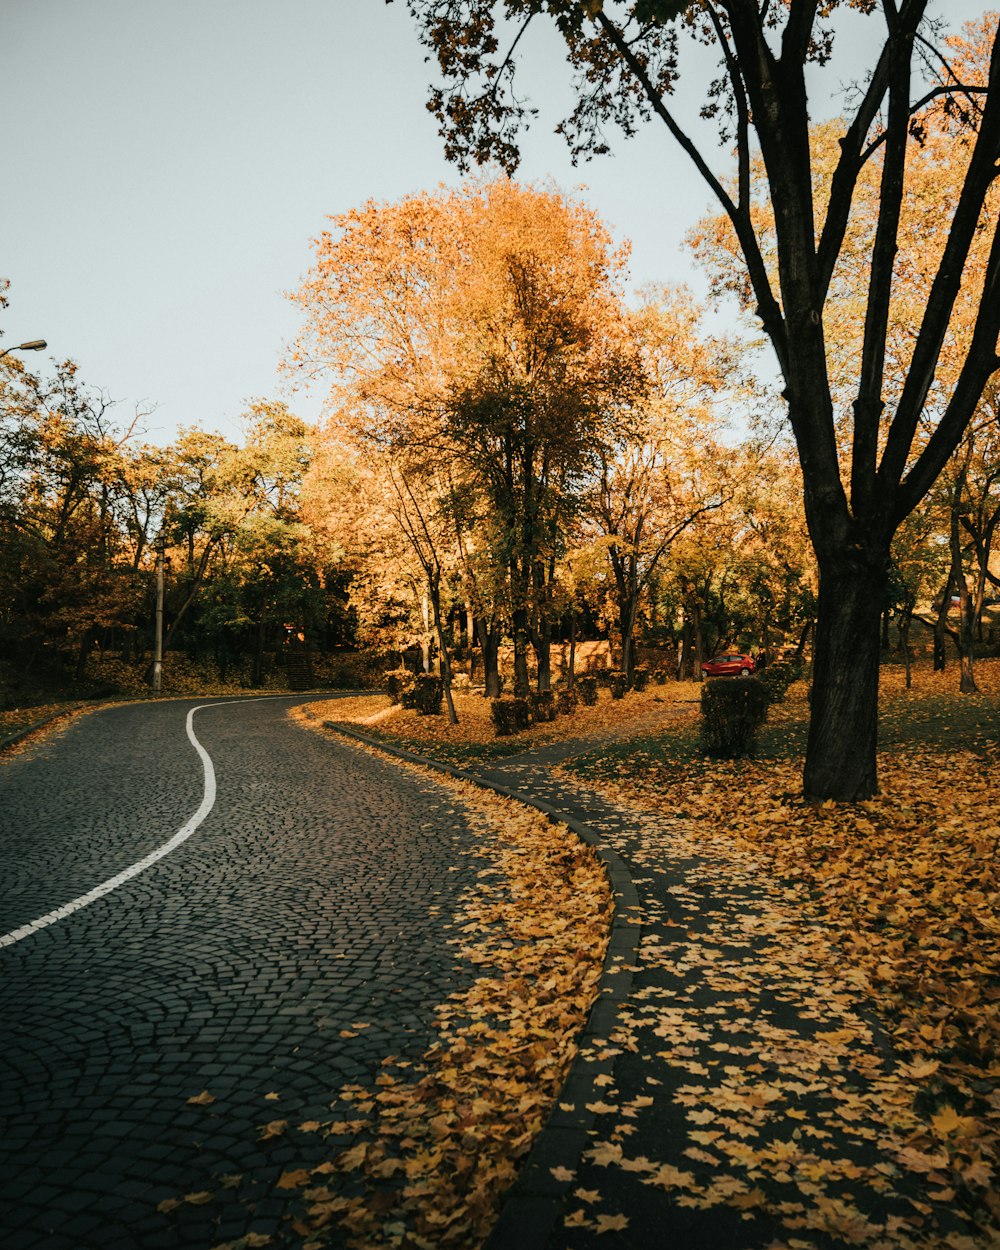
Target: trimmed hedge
(398, 682)
(619, 684)
(640, 677)
(777, 677)
(586, 687)
(732, 714)
(566, 701)
(543, 706)
(425, 696)
(510, 716)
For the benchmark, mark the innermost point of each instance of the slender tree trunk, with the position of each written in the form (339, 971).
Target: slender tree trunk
(940, 634)
(843, 727)
(470, 633)
(684, 658)
(83, 654)
(967, 679)
(489, 641)
(699, 641)
(520, 580)
(542, 643)
(257, 666)
(956, 580)
(522, 681)
(571, 672)
(626, 617)
(904, 642)
(444, 658)
(800, 648)
(425, 641)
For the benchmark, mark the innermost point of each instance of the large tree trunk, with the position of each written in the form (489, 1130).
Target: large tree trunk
(843, 728)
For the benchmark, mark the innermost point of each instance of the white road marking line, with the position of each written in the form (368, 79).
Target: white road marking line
(182, 835)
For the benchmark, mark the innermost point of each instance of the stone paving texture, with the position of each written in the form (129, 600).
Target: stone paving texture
(314, 897)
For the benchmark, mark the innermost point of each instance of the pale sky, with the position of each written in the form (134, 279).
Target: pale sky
(167, 164)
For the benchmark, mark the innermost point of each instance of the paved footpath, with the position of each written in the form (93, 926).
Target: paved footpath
(312, 897)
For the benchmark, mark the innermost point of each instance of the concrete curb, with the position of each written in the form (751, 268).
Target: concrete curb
(528, 1217)
(13, 739)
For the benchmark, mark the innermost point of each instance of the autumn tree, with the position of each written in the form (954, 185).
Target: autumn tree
(545, 373)
(66, 464)
(628, 57)
(482, 323)
(666, 467)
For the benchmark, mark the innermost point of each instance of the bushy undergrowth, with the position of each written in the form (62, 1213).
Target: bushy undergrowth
(777, 677)
(425, 696)
(732, 714)
(398, 682)
(586, 688)
(510, 716)
(543, 706)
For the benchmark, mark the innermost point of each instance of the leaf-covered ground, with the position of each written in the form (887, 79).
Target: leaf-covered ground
(809, 1056)
(473, 740)
(821, 983)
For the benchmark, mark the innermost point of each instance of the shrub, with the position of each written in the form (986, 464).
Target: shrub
(566, 701)
(587, 689)
(660, 676)
(640, 678)
(732, 713)
(425, 696)
(619, 684)
(543, 706)
(603, 676)
(777, 677)
(398, 682)
(510, 716)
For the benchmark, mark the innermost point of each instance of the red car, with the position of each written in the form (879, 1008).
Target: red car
(729, 665)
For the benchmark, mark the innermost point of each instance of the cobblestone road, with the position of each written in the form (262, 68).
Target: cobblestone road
(314, 897)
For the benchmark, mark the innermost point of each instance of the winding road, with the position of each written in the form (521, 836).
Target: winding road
(201, 896)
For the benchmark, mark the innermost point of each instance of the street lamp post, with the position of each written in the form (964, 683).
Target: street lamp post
(158, 642)
(34, 345)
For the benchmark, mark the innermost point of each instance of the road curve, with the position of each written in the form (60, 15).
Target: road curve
(314, 895)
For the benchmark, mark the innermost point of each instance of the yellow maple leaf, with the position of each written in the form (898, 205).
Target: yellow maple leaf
(948, 1121)
(611, 1223)
(353, 1158)
(605, 1152)
(562, 1174)
(203, 1099)
(294, 1179)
